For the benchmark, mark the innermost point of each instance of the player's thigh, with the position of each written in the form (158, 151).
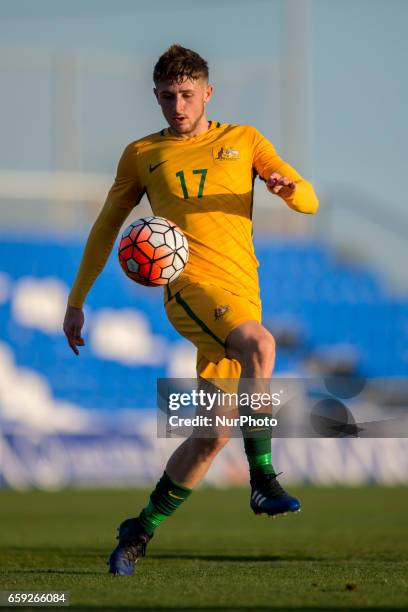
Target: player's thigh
(206, 315)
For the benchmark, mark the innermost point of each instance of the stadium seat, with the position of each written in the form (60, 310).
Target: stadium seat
(326, 301)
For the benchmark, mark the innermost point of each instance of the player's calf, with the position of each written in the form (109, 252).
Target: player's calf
(191, 460)
(209, 447)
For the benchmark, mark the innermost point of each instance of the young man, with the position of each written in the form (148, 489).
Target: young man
(199, 174)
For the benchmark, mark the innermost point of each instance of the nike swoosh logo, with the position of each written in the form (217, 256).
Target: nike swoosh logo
(174, 495)
(153, 168)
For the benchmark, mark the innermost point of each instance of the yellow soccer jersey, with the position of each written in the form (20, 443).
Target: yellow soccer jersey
(205, 185)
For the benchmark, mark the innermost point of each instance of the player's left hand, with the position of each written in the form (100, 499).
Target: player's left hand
(280, 185)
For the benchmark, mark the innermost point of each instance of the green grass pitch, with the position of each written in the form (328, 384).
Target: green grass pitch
(347, 549)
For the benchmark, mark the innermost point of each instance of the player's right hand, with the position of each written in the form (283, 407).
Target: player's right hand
(73, 323)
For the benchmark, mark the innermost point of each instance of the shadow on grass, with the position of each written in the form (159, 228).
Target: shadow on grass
(221, 558)
(68, 553)
(234, 558)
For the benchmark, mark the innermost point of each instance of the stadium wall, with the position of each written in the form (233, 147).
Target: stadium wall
(102, 458)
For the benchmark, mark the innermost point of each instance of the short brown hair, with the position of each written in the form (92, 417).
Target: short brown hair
(178, 63)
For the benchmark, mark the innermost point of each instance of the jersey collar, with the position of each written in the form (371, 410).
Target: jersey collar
(212, 125)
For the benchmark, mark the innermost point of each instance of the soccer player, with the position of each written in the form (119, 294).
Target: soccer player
(199, 174)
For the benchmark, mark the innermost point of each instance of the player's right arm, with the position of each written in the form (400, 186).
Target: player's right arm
(125, 193)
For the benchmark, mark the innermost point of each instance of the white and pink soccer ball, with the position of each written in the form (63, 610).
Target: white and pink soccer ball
(153, 251)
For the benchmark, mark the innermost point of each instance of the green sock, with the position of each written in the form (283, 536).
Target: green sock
(258, 448)
(165, 499)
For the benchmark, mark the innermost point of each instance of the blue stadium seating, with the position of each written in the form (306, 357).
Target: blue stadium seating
(301, 281)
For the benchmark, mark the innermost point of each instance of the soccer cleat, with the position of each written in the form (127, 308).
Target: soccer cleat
(268, 497)
(132, 545)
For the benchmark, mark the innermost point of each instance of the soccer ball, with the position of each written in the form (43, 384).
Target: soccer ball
(153, 251)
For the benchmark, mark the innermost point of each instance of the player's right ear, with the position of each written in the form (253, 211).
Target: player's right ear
(156, 94)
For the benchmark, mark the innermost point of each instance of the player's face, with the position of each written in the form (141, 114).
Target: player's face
(183, 105)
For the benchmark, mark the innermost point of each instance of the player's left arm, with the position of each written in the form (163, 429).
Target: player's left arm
(281, 179)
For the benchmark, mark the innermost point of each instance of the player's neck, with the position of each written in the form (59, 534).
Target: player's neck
(201, 128)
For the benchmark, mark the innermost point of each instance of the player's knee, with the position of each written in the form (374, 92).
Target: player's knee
(257, 352)
(265, 348)
(261, 354)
